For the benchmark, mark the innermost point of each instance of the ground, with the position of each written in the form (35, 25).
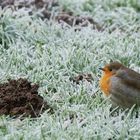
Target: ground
(20, 99)
(53, 46)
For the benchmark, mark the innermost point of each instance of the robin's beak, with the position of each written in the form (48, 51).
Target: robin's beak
(102, 69)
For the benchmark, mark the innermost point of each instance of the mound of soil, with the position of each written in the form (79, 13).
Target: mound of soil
(81, 21)
(45, 10)
(19, 97)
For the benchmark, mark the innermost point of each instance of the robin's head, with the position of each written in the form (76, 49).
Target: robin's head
(111, 68)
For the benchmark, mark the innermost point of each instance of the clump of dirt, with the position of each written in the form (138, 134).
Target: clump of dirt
(81, 21)
(19, 97)
(50, 9)
(81, 77)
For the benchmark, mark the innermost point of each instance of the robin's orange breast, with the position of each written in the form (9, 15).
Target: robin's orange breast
(105, 83)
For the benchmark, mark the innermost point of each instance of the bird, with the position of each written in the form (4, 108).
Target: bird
(120, 84)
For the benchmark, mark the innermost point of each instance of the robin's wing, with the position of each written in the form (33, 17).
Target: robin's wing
(123, 94)
(129, 77)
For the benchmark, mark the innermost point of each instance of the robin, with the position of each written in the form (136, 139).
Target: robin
(121, 85)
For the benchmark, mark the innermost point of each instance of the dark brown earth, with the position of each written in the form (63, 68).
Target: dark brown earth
(81, 77)
(20, 98)
(77, 20)
(46, 10)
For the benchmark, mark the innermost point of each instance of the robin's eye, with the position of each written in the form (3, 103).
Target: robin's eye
(110, 69)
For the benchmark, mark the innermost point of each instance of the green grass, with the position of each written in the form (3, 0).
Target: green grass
(48, 54)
